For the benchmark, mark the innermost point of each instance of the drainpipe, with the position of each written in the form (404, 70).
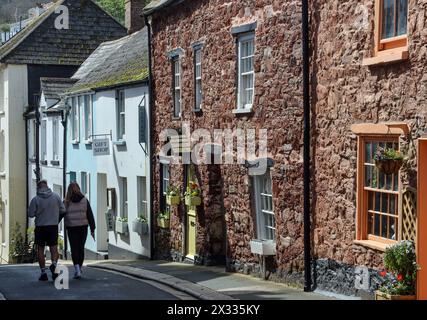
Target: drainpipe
(306, 101)
(37, 113)
(151, 135)
(27, 189)
(64, 172)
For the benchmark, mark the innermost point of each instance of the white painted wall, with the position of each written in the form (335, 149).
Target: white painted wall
(13, 180)
(128, 161)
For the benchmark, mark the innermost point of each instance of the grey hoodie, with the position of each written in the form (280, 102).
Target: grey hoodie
(46, 207)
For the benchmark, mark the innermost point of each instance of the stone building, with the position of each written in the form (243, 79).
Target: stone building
(217, 65)
(367, 90)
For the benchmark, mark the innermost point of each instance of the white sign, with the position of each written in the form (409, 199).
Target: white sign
(101, 147)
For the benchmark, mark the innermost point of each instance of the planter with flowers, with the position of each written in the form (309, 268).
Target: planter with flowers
(172, 196)
(163, 220)
(400, 274)
(192, 195)
(388, 161)
(140, 225)
(122, 225)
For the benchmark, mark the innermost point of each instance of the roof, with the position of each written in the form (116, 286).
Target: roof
(40, 42)
(114, 63)
(53, 88)
(156, 5)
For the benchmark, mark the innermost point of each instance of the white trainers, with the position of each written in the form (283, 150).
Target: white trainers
(77, 272)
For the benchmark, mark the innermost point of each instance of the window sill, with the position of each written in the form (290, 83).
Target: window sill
(88, 142)
(176, 118)
(120, 143)
(32, 160)
(75, 141)
(3, 174)
(43, 162)
(372, 244)
(197, 111)
(243, 111)
(387, 57)
(54, 162)
(2, 113)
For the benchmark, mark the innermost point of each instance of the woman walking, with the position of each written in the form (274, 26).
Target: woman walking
(78, 217)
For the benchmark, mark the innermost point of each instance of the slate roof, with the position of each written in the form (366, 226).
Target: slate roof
(114, 63)
(53, 88)
(156, 5)
(41, 43)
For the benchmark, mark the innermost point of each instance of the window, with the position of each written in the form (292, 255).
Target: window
(33, 130)
(391, 28)
(246, 49)
(2, 223)
(121, 119)
(198, 78)
(266, 222)
(43, 141)
(176, 68)
(142, 196)
(394, 15)
(165, 177)
(88, 107)
(73, 176)
(75, 128)
(85, 184)
(378, 209)
(55, 138)
(58, 189)
(2, 151)
(124, 182)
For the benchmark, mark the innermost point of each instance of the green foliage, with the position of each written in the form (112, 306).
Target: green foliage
(60, 243)
(400, 262)
(172, 191)
(114, 7)
(388, 154)
(122, 219)
(4, 27)
(193, 190)
(164, 215)
(18, 247)
(141, 219)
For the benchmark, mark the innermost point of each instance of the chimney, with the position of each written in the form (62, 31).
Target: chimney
(133, 17)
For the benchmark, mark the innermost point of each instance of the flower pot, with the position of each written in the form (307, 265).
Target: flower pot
(122, 227)
(139, 227)
(385, 296)
(193, 200)
(173, 200)
(163, 223)
(389, 166)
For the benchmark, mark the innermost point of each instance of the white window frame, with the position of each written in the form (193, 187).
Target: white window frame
(177, 94)
(55, 139)
(85, 184)
(124, 198)
(88, 118)
(43, 140)
(142, 197)
(33, 130)
(241, 40)
(198, 95)
(121, 114)
(75, 120)
(261, 211)
(165, 183)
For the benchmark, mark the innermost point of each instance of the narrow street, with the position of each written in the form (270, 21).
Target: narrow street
(20, 282)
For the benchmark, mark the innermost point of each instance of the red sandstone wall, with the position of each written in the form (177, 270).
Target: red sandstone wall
(277, 107)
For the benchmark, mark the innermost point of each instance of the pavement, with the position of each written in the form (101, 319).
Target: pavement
(20, 282)
(208, 283)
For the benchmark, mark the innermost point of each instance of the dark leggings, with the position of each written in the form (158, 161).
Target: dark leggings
(77, 237)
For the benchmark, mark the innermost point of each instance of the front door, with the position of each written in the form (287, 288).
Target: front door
(191, 217)
(422, 220)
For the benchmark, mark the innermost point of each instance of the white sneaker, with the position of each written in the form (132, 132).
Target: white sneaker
(77, 272)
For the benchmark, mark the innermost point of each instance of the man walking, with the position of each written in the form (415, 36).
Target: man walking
(46, 207)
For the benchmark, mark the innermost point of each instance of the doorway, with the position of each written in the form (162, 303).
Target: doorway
(422, 220)
(191, 212)
(102, 208)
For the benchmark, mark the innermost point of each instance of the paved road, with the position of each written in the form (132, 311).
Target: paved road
(20, 282)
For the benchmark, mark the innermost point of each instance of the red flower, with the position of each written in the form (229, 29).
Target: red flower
(399, 277)
(383, 273)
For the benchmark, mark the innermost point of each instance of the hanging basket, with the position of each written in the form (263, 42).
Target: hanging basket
(193, 200)
(173, 200)
(389, 166)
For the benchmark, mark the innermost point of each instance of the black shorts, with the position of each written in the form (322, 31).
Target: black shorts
(46, 236)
